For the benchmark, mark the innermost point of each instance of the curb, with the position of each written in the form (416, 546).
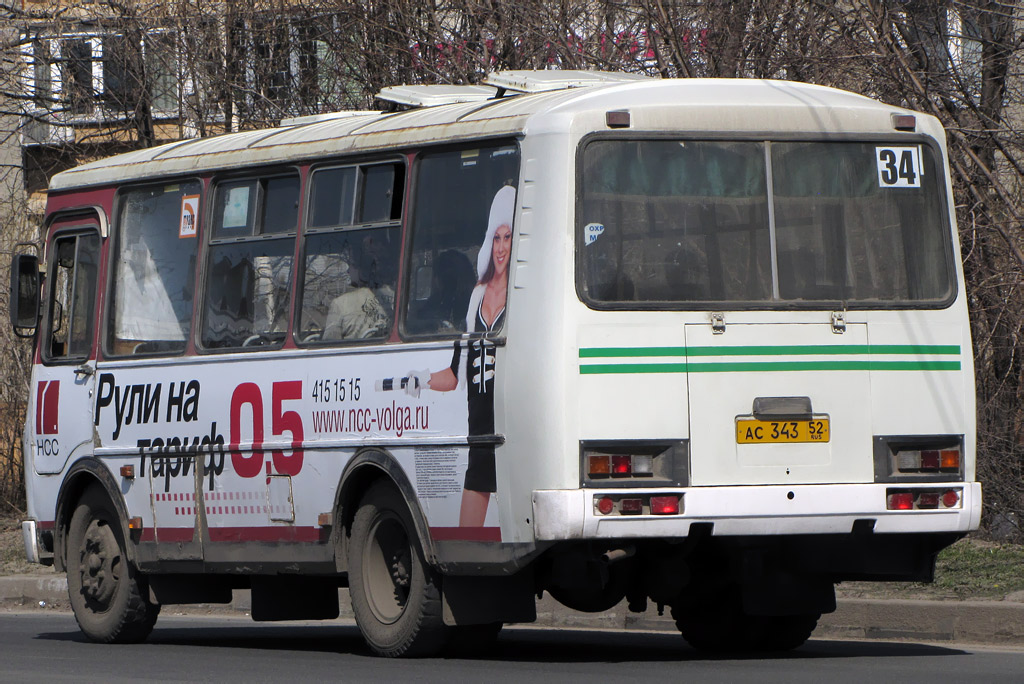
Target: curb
(974, 622)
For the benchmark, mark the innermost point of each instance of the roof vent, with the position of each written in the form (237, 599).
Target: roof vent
(317, 118)
(433, 95)
(544, 81)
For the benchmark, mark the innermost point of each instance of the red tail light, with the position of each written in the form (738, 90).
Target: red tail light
(901, 501)
(665, 505)
(605, 505)
(930, 460)
(950, 498)
(621, 465)
(631, 506)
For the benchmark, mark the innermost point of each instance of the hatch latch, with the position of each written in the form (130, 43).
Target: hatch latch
(717, 323)
(838, 322)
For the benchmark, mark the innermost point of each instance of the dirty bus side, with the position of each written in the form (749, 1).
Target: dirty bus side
(455, 357)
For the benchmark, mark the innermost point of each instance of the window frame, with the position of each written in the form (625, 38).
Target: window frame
(199, 315)
(46, 327)
(496, 336)
(115, 251)
(942, 198)
(306, 230)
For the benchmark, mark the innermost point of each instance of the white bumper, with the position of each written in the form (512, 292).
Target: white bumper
(561, 514)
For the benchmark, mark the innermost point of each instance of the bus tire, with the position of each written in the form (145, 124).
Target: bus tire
(713, 630)
(109, 597)
(785, 632)
(727, 629)
(396, 596)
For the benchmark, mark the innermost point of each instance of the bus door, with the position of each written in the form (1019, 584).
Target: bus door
(61, 411)
(779, 403)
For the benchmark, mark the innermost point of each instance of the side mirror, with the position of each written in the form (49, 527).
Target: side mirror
(24, 301)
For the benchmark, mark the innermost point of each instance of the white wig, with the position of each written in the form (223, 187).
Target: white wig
(503, 207)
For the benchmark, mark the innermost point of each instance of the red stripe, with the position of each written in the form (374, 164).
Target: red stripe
(174, 534)
(45, 524)
(485, 534)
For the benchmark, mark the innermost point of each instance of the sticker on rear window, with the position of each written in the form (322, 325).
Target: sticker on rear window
(591, 232)
(899, 167)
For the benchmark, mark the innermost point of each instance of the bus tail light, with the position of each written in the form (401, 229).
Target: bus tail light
(949, 459)
(922, 499)
(927, 460)
(631, 506)
(664, 505)
(599, 465)
(638, 504)
(935, 458)
(646, 464)
(900, 501)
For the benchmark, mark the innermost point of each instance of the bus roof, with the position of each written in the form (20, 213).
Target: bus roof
(712, 105)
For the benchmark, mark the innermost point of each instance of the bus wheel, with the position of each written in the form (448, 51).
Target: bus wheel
(784, 632)
(109, 597)
(396, 596)
(726, 628)
(715, 629)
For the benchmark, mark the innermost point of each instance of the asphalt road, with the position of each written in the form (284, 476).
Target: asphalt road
(47, 647)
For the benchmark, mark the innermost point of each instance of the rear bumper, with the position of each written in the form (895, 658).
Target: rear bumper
(565, 514)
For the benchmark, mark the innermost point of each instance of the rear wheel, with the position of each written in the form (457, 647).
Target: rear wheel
(785, 632)
(109, 597)
(396, 596)
(715, 629)
(724, 627)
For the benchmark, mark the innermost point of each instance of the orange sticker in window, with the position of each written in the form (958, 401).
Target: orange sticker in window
(189, 216)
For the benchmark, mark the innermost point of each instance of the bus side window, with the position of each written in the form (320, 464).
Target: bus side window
(454, 192)
(154, 272)
(72, 295)
(352, 244)
(248, 281)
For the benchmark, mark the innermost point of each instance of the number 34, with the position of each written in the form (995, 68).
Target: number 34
(899, 167)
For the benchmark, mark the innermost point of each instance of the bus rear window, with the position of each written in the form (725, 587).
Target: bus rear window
(673, 223)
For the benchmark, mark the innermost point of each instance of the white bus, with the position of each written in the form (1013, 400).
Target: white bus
(698, 344)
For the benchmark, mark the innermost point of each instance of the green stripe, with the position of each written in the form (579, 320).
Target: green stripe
(598, 368)
(768, 366)
(608, 352)
(780, 350)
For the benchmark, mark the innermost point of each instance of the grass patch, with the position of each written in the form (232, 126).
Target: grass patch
(975, 569)
(970, 569)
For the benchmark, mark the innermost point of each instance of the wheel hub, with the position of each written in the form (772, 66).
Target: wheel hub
(387, 572)
(100, 566)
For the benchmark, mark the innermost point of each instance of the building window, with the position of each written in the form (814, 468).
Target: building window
(76, 75)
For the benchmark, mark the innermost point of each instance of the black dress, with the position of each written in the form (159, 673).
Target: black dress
(480, 475)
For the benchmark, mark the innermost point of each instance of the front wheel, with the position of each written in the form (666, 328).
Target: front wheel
(396, 596)
(109, 597)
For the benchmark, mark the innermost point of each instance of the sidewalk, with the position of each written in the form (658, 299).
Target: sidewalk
(974, 622)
